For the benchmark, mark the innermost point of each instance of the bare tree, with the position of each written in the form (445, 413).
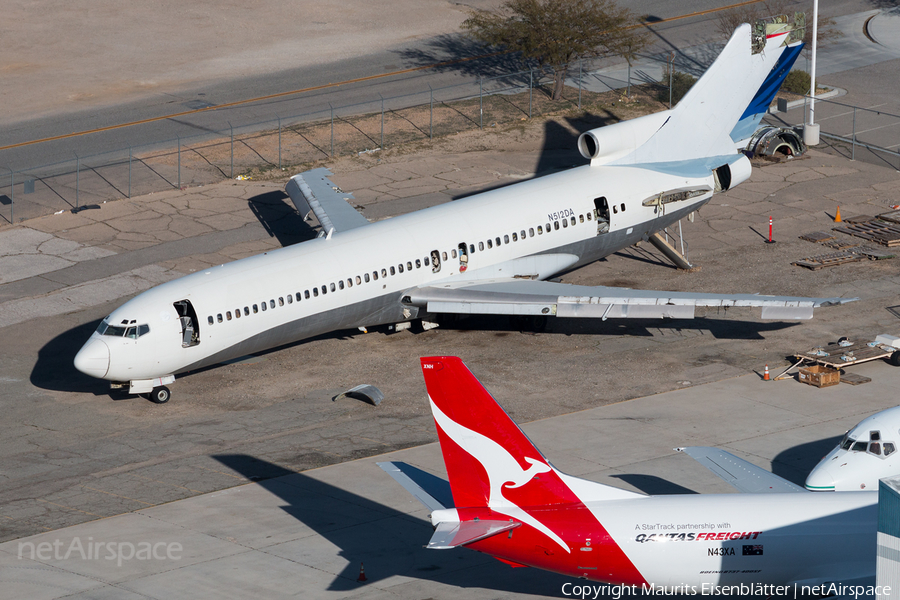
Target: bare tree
(557, 32)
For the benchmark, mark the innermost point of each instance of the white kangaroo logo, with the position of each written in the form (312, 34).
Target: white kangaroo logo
(502, 468)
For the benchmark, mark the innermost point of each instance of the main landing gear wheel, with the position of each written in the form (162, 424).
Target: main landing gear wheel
(894, 358)
(160, 395)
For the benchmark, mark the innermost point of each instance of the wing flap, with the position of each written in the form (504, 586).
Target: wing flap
(450, 535)
(524, 297)
(312, 191)
(741, 474)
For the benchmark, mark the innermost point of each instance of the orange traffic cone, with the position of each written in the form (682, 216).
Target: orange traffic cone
(362, 574)
(766, 374)
(837, 215)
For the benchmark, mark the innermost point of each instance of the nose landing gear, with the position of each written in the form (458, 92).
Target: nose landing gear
(160, 395)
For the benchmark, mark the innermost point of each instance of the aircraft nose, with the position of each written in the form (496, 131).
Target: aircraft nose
(93, 359)
(820, 480)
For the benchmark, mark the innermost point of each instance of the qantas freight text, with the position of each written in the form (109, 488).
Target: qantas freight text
(696, 537)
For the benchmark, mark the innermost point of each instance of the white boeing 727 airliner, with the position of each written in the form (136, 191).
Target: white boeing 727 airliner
(487, 254)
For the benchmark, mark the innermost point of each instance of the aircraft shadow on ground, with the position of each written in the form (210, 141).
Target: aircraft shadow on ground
(795, 463)
(387, 541)
(653, 485)
(280, 219)
(55, 369)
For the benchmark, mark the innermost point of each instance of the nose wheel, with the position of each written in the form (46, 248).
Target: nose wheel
(160, 395)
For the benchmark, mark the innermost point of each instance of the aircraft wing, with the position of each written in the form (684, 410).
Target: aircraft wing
(313, 192)
(744, 476)
(530, 297)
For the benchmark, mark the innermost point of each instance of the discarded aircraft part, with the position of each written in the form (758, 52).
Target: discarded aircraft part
(771, 141)
(366, 392)
(427, 325)
(402, 326)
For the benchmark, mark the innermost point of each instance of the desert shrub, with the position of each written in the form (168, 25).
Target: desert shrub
(681, 83)
(796, 82)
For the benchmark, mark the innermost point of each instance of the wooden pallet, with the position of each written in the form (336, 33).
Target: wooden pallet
(817, 236)
(880, 232)
(828, 260)
(854, 378)
(874, 253)
(892, 216)
(858, 219)
(840, 244)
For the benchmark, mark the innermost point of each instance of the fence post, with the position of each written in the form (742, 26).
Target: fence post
(129, 171)
(382, 121)
(232, 148)
(178, 137)
(530, 89)
(853, 151)
(580, 69)
(12, 196)
(279, 140)
(77, 177)
(332, 129)
(671, 71)
(480, 102)
(431, 114)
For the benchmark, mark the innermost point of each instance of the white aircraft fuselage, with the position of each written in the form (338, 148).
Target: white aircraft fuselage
(357, 278)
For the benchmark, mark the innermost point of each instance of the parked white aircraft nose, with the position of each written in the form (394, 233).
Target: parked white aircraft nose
(820, 480)
(93, 359)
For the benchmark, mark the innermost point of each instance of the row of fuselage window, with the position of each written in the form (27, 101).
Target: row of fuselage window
(434, 262)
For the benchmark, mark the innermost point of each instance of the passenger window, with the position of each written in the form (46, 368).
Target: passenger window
(325, 289)
(306, 294)
(615, 209)
(264, 305)
(280, 301)
(375, 275)
(426, 261)
(246, 311)
(237, 313)
(211, 320)
(228, 315)
(522, 234)
(547, 228)
(359, 281)
(471, 248)
(515, 237)
(272, 303)
(888, 448)
(316, 292)
(531, 232)
(481, 246)
(419, 264)
(565, 223)
(444, 255)
(453, 253)
(573, 220)
(341, 284)
(331, 286)
(581, 218)
(290, 299)
(219, 317)
(490, 244)
(540, 230)
(408, 266)
(505, 239)
(623, 207)
(555, 224)
(366, 275)
(255, 309)
(589, 216)
(497, 241)
(349, 282)
(384, 272)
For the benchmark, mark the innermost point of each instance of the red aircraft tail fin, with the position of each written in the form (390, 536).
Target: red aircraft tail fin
(484, 450)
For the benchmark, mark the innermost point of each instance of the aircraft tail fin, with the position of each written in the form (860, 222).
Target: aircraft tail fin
(490, 461)
(701, 124)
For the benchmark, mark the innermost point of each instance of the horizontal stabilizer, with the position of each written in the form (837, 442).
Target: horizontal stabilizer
(415, 481)
(741, 474)
(451, 535)
(312, 191)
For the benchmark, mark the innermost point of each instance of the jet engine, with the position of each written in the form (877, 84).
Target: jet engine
(608, 143)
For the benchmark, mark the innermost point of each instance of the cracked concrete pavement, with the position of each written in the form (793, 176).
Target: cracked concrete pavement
(71, 452)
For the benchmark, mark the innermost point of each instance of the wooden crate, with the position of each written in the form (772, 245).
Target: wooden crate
(819, 376)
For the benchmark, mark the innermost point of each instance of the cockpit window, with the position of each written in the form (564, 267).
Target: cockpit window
(846, 442)
(888, 448)
(858, 447)
(875, 436)
(875, 448)
(133, 331)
